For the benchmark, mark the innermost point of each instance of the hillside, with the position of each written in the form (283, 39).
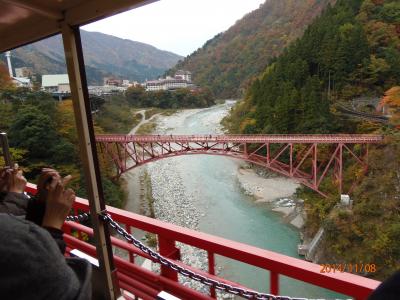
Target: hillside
(104, 55)
(227, 62)
(351, 51)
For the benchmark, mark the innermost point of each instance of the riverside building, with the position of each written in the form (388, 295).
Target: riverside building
(181, 80)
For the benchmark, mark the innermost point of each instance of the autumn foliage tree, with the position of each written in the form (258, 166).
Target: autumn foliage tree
(352, 50)
(392, 99)
(5, 80)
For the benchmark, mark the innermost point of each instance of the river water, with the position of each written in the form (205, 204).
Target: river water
(214, 203)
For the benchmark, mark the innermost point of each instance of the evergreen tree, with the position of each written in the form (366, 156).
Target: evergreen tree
(34, 131)
(316, 114)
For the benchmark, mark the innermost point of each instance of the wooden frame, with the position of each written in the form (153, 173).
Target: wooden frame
(87, 145)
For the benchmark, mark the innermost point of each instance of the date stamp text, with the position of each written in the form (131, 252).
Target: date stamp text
(348, 267)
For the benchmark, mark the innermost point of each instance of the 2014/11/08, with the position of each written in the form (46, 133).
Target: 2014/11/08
(356, 268)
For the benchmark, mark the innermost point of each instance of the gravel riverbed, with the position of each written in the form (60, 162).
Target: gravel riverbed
(175, 204)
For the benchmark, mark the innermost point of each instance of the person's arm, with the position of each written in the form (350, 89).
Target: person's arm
(57, 235)
(57, 209)
(37, 205)
(58, 204)
(51, 205)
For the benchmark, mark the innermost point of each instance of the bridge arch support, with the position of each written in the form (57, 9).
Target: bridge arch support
(309, 159)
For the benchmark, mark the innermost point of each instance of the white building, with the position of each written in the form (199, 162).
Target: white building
(166, 84)
(154, 85)
(57, 83)
(185, 75)
(105, 90)
(181, 80)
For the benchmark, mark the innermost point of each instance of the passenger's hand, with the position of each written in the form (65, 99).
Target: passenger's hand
(58, 204)
(12, 180)
(45, 179)
(16, 181)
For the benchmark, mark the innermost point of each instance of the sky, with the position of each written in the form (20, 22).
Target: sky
(179, 26)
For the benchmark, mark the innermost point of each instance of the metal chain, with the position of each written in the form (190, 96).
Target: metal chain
(185, 272)
(188, 273)
(79, 218)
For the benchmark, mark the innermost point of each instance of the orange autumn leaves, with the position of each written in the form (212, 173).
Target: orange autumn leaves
(5, 80)
(392, 100)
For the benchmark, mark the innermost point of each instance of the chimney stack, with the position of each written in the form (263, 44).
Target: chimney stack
(8, 55)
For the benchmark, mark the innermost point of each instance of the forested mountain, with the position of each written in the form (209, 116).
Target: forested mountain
(104, 55)
(226, 63)
(353, 49)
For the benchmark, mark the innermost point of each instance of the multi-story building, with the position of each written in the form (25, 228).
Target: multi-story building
(181, 80)
(112, 81)
(106, 90)
(168, 83)
(185, 75)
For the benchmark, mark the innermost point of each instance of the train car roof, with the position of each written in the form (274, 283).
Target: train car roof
(26, 21)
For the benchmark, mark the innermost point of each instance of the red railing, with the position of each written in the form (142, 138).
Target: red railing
(147, 284)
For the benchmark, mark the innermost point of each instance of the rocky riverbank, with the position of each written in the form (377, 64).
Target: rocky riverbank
(175, 204)
(278, 192)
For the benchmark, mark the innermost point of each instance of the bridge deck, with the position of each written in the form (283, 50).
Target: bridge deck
(301, 138)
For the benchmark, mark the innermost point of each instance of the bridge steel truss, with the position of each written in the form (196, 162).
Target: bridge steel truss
(309, 159)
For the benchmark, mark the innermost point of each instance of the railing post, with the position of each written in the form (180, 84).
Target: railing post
(211, 270)
(167, 249)
(274, 283)
(87, 146)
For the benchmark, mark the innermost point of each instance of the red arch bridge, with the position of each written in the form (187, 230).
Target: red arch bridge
(309, 159)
